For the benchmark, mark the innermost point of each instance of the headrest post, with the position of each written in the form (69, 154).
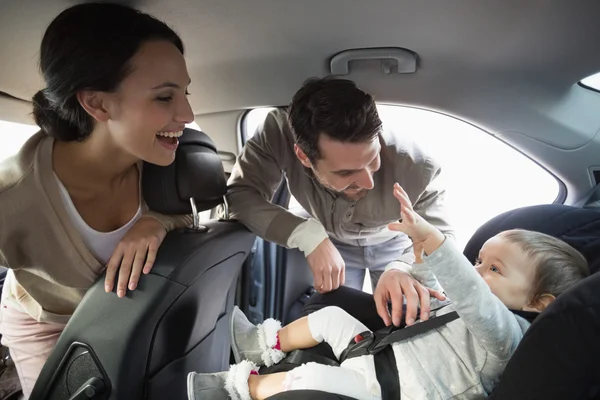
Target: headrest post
(225, 207)
(195, 214)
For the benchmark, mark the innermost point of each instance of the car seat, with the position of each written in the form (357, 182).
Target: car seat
(143, 346)
(556, 360)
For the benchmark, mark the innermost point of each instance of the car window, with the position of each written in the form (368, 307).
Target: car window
(193, 125)
(13, 136)
(483, 176)
(592, 82)
(251, 121)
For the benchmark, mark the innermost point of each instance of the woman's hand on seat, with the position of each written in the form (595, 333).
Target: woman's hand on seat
(135, 254)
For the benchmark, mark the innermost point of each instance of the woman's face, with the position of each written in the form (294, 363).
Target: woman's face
(149, 110)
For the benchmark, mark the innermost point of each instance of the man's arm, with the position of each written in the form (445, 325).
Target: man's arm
(255, 178)
(431, 204)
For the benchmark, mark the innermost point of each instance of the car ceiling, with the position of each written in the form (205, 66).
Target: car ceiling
(510, 67)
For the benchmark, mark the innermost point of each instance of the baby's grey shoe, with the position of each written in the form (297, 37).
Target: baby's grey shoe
(222, 385)
(207, 386)
(256, 343)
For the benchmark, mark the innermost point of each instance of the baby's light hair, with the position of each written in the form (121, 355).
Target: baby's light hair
(558, 265)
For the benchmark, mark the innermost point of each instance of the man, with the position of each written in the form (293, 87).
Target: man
(341, 167)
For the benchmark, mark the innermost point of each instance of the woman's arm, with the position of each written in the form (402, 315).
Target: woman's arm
(170, 222)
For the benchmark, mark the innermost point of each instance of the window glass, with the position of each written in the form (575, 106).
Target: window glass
(592, 82)
(483, 176)
(193, 125)
(13, 136)
(252, 120)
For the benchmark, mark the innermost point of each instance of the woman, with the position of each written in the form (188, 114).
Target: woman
(70, 200)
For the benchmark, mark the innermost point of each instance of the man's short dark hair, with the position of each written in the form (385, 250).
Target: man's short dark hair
(334, 107)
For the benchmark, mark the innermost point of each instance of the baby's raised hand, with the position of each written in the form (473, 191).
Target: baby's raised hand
(422, 233)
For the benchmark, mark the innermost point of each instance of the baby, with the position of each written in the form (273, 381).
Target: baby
(517, 271)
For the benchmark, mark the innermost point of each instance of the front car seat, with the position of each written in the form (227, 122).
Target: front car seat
(142, 346)
(556, 360)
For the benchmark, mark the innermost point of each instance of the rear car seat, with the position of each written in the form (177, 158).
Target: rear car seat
(142, 346)
(557, 358)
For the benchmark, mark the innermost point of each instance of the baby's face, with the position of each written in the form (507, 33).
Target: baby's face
(508, 272)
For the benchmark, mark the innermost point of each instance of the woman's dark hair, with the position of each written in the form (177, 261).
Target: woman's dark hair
(88, 47)
(336, 108)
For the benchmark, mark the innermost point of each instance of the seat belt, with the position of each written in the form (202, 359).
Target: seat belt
(299, 357)
(373, 343)
(378, 344)
(386, 371)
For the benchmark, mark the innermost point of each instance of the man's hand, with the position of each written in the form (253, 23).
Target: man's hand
(327, 266)
(395, 284)
(135, 253)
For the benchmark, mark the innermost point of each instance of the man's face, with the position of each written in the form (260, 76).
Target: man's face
(345, 168)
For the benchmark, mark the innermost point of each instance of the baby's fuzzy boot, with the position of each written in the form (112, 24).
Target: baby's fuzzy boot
(232, 384)
(256, 343)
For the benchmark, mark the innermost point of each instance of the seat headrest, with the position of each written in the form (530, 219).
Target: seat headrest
(578, 227)
(197, 172)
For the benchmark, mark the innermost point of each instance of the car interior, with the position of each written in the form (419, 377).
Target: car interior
(522, 73)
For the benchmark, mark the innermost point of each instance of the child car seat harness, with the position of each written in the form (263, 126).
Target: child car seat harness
(378, 344)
